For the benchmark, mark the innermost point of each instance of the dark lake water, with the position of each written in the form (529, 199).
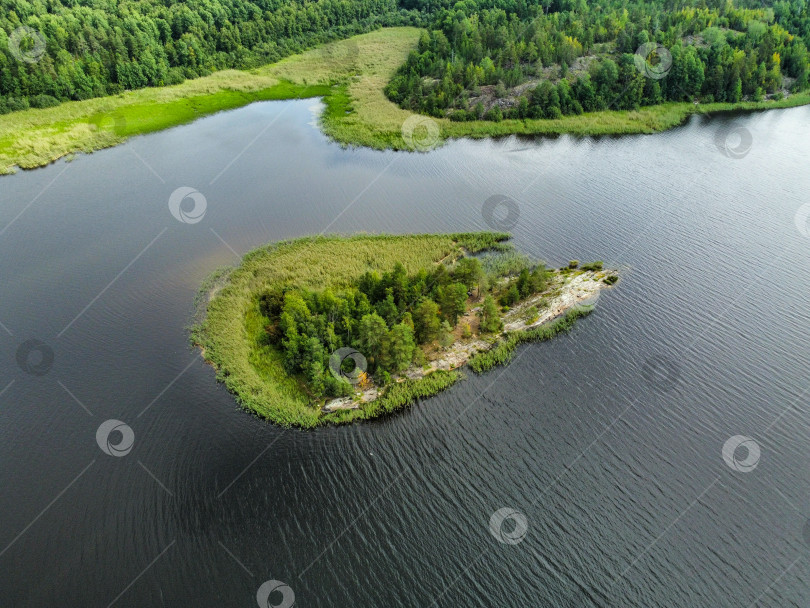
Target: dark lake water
(607, 442)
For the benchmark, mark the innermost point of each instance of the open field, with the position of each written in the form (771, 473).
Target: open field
(350, 75)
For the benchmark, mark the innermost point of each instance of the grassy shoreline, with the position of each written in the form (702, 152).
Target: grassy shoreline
(230, 328)
(349, 75)
(230, 332)
(503, 351)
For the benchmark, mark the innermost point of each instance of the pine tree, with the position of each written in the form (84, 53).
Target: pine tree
(490, 319)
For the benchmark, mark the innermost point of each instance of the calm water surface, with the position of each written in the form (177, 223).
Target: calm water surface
(618, 471)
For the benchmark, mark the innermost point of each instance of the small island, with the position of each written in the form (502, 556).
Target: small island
(332, 330)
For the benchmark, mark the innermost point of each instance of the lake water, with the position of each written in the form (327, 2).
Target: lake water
(608, 442)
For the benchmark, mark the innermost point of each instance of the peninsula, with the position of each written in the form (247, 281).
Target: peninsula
(338, 329)
(367, 102)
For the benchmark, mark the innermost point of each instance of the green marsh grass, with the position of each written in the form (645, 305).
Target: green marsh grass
(350, 80)
(504, 350)
(231, 332)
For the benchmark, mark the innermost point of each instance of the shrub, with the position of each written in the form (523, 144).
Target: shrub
(495, 114)
(511, 297)
(335, 387)
(43, 101)
(174, 76)
(13, 104)
(573, 264)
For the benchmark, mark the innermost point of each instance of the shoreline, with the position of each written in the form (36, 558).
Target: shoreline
(226, 324)
(349, 76)
(581, 290)
(231, 330)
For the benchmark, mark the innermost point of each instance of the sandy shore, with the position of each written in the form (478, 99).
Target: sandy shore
(564, 293)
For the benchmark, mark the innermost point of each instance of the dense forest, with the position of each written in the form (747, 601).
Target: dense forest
(480, 58)
(60, 50)
(391, 318)
(546, 58)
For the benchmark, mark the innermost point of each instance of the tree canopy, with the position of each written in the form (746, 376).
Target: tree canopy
(490, 59)
(496, 59)
(79, 49)
(387, 319)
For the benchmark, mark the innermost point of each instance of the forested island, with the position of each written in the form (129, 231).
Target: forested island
(339, 329)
